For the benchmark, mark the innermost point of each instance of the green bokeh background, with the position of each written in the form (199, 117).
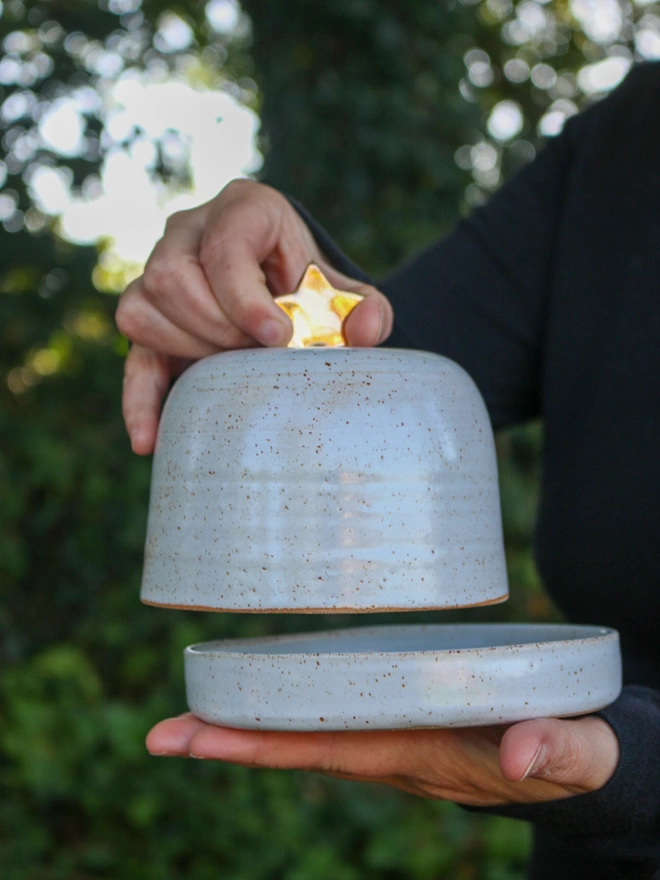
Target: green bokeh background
(364, 104)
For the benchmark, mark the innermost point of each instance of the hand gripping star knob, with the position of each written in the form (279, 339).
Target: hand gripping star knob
(318, 311)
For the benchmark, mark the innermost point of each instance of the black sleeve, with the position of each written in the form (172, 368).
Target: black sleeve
(480, 297)
(621, 821)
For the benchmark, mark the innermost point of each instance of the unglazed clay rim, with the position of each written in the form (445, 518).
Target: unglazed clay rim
(324, 609)
(576, 672)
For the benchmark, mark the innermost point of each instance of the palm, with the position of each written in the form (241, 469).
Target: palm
(477, 766)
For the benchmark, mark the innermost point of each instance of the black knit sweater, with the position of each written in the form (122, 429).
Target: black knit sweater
(549, 296)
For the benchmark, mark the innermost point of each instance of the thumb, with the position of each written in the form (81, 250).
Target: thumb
(581, 754)
(370, 322)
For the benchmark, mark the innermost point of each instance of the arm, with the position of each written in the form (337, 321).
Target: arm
(481, 297)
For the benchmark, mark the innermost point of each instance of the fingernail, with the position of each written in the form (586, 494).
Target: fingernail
(271, 333)
(160, 754)
(380, 326)
(197, 757)
(536, 763)
(136, 436)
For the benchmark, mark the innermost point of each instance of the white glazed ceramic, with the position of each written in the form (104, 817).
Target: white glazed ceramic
(324, 480)
(404, 676)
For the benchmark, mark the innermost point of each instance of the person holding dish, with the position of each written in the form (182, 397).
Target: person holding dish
(548, 297)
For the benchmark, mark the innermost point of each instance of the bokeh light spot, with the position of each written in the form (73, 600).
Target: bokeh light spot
(603, 75)
(505, 121)
(222, 15)
(62, 128)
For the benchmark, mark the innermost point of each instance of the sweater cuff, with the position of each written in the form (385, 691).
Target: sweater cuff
(334, 254)
(622, 819)
(399, 337)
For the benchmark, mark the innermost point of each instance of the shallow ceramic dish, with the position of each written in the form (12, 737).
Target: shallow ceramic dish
(404, 676)
(324, 480)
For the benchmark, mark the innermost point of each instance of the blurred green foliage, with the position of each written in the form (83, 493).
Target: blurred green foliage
(374, 114)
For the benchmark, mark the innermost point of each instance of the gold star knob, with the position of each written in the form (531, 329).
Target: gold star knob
(318, 311)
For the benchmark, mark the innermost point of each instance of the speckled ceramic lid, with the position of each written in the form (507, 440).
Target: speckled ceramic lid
(323, 480)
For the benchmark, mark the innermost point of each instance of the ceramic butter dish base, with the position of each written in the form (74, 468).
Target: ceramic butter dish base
(407, 676)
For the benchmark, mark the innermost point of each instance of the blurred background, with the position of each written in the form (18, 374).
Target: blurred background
(387, 120)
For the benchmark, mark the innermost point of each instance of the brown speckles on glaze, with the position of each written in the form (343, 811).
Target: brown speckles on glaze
(347, 472)
(458, 675)
(286, 483)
